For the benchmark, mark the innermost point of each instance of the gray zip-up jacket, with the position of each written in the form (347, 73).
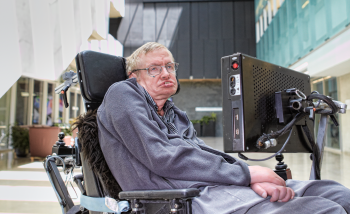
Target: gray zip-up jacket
(142, 154)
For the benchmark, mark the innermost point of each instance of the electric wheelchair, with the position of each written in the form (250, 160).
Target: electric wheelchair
(101, 193)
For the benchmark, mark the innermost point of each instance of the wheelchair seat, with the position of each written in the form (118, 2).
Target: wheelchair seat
(96, 72)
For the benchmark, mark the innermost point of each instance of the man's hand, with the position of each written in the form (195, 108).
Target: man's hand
(277, 193)
(259, 174)
(265, 182)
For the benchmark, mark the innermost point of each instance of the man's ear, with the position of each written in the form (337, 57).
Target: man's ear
(133, 75)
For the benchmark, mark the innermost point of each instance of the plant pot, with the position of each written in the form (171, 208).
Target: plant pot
(21, 153)
(197, 127)
(68, 140)
(208, 129)
(41, 140)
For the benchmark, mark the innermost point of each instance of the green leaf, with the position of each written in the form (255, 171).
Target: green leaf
(20, 137)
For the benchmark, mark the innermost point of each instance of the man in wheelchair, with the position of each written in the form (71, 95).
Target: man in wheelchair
(149, 143)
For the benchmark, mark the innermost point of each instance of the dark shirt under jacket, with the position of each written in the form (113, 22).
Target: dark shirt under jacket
(168, 117)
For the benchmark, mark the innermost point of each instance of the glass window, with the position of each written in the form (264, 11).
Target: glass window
(71, 105)
(320, 20)
(332, 130)
(318, 87)
(274, 7)
(265, 19)
(37, 100)
(328, 86)
(60, 109)
(269, 11)
(303, 26)
(331, 88)
(293, 30)
(49, 104)
(278, 3)
(78, 105)
(261, 26)
(338, 14)
(22, 101)
(257, 32)
(4, 118)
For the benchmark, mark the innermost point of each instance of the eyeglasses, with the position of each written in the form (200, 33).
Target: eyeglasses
(155, 70)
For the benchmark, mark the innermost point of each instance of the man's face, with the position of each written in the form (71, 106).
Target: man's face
(163, 85)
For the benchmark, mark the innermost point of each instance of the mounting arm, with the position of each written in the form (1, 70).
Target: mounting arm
(71, 79)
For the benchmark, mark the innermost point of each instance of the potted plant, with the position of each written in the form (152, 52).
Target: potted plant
(197, 126)
(208, 125)
(20, 140)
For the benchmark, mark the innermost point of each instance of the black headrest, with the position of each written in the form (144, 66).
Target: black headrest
(97, 72)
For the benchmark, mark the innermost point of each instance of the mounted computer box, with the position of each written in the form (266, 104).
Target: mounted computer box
(249, 90)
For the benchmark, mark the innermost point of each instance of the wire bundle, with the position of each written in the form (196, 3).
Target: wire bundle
(289, 126)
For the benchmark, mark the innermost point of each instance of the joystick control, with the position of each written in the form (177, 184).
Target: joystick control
(281, 168)
(60, 141)
(60, 148)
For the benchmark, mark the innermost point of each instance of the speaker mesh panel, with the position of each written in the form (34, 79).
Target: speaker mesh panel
(266, 83)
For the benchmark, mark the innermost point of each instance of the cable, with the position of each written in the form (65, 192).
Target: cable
(289, 126)
(326, 100)
(284, 145)
(278, 133)
(265, 137)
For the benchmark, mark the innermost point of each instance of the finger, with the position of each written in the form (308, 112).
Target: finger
(293, 193)
(281, 181)
(259, 190)
(276, 179)
(260, 174)
(288, 196)
(275, 195)
(283, 192)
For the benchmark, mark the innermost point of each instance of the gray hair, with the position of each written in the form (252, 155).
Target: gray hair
(133, 61)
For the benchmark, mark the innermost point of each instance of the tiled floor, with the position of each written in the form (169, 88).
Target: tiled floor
(25, 188)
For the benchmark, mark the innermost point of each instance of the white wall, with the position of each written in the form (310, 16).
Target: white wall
(40, 38)
(10, 58)
(344, 96)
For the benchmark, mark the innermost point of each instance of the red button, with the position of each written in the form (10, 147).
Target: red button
(235, 65)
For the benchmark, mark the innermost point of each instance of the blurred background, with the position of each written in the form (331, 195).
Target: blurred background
(40, 38)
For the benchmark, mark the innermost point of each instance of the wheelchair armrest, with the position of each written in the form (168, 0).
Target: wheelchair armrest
(78, 179)
(160, 194)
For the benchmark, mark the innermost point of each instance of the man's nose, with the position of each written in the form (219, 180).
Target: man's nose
(164, 72)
